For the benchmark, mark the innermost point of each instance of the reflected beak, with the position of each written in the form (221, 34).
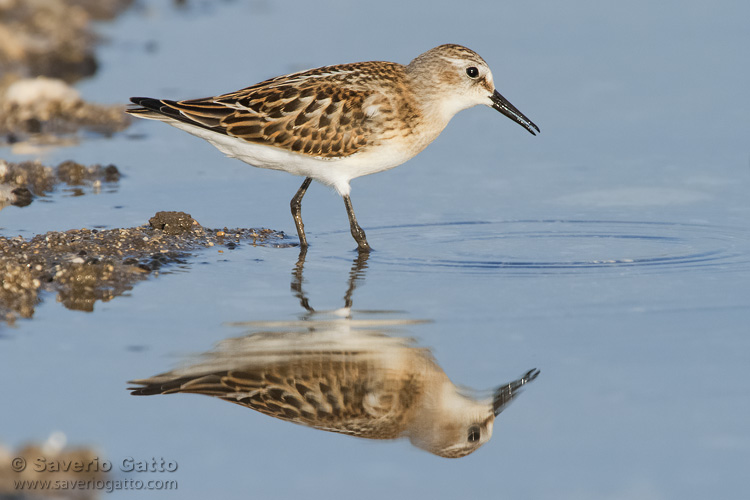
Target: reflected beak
(506, 393)
(501, 104)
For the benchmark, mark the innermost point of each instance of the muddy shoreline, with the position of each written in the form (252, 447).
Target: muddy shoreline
(21, 183)
(48, 45)
(82, 266)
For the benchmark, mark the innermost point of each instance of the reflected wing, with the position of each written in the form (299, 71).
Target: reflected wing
(338, 396)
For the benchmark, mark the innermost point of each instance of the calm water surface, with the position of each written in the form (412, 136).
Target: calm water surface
(612, 252)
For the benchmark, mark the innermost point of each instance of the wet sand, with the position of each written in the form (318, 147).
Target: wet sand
(22, 182)
(85, 265)
(46, 46)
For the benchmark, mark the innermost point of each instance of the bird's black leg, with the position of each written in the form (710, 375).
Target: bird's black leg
(357, 232)
(296, 205)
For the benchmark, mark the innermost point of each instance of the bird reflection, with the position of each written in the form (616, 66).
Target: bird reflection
(356, 275)
(345, 375)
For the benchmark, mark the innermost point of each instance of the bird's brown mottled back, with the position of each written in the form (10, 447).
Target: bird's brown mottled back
(322, 112)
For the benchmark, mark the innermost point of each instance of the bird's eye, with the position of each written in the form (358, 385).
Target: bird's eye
(474, 434)
(472, 71)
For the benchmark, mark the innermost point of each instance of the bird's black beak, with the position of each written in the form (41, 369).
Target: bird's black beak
(501, 104)
(506, 393)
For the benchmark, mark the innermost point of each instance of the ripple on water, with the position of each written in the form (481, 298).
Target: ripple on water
(571, 246)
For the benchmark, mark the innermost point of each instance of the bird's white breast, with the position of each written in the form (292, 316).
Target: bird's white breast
(334, 172)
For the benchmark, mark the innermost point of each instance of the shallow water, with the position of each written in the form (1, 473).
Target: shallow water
(612, 252)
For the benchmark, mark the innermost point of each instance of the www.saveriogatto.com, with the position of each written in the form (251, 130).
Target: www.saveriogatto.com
(92, 474)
